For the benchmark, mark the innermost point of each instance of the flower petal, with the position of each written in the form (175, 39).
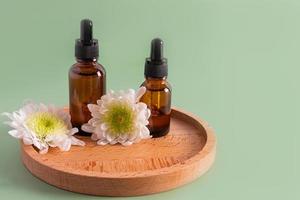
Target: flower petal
(44, 150)
(141, 91)
(9, 115)
(102, 142)
(73, 131)
(93, 107)
(103, 127)
(87, 128)
(65, 145)
(27, 141)
(127, 143)
(43, 137)
(94, 136)
(16, 133)
(75, 141)
(100, 126)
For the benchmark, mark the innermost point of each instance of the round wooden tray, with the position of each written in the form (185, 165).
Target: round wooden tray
(151, 166)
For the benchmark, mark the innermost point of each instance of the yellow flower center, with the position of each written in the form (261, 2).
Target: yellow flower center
(119, 119)
(44, 123)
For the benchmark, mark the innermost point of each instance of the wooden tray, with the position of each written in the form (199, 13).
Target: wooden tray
(151, 166)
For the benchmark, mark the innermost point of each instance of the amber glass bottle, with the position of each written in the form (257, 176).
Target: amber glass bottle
(87, 82)
(158, 90)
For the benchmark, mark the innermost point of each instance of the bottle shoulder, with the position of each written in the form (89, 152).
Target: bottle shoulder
(87, 69)
(157, 85)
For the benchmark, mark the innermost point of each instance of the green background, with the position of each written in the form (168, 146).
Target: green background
(234, 63)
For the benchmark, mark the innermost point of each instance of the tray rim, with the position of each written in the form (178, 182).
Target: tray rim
(208, 148)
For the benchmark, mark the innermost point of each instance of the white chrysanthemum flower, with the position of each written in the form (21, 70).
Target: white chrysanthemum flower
(43, 126)
(118, 117)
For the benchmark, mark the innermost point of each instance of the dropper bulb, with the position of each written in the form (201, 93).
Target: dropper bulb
(86, 31)
(156, 66)
(156, 49)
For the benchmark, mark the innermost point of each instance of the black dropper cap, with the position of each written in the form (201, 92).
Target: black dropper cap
(156, 66)
(86, 47)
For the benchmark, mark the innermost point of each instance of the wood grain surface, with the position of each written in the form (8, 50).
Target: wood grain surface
(151, 166)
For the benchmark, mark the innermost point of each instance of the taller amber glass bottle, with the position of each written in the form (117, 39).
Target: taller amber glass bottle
(87, 81)
(158, 90)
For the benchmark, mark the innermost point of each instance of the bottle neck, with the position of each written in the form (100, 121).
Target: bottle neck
(156, 79)
(156, 83)
(87, 61)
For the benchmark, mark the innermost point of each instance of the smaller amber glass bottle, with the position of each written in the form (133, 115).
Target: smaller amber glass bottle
(87, 82)
(158, 90)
